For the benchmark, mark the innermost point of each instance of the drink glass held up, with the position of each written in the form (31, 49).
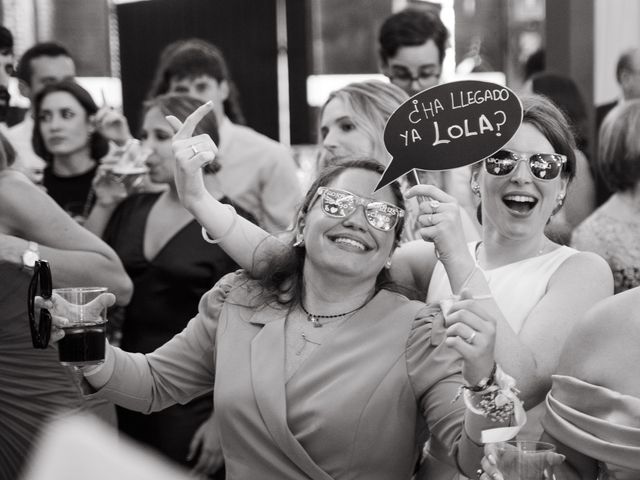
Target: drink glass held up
(83, 343)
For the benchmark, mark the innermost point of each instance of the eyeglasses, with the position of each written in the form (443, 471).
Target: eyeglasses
(341, 203)
(404, 78)
(543, 166)
(41, 331)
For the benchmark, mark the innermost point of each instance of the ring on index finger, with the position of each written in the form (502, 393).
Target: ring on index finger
(434, 204)
(195, 150)
(470, 338)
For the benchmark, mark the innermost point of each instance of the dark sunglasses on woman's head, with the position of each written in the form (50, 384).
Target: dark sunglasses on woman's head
(338, 203)
(40, 285)
(543, 166)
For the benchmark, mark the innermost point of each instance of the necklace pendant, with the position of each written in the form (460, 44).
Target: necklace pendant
(316, 323)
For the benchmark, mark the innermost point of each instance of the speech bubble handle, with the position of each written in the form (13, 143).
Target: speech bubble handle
(424, 198)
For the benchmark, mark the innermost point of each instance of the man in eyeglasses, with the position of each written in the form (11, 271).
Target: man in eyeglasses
(412, 47)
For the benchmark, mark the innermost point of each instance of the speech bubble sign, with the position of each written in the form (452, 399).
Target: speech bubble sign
(449, 126)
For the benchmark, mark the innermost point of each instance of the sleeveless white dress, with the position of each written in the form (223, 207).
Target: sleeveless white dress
(517, 288)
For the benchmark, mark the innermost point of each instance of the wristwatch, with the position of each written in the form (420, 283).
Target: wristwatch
(30, 256)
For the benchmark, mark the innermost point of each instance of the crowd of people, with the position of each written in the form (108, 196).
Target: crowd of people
(264, 328)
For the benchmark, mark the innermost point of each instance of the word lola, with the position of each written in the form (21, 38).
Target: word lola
(484, 125)
(453, 132)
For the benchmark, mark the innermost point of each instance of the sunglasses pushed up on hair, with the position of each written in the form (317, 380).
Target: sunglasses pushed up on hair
(543, 166)
(338, 203)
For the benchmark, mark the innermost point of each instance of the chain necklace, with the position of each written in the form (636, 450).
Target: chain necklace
(315, 319)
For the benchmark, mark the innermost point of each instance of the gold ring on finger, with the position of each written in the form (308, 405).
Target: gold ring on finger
(194, 149)
(434, 204)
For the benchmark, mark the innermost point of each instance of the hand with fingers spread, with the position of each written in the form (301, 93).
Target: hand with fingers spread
(64, 313)
(471, 331)
(191, 153)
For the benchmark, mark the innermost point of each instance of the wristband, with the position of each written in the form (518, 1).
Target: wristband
(208, 239)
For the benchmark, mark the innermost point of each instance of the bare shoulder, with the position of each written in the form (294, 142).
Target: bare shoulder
(585, 268)
(604, 341)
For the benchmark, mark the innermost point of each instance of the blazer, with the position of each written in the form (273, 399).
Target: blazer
(352, 410)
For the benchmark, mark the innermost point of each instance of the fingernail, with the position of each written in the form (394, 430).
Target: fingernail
(492, 459)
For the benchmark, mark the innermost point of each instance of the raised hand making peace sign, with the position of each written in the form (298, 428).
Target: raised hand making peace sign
(191, 153)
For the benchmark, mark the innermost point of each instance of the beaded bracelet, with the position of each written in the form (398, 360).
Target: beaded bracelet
(208, 239)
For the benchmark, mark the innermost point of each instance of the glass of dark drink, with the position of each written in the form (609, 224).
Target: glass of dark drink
(84, 337)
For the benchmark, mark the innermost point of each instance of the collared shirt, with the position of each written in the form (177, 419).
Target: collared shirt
(259, 174)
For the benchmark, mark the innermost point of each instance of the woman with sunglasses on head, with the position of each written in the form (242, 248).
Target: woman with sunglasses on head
(33, 385)
(304, 388)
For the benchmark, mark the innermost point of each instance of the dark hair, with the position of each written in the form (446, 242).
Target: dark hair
(98, 145)
(7, 152)
(284, 271)
(564, 92)
(543, 114)
(618, 158)
(191, 59)
(535, 63)
(626, 63)
(6, 41)
(409, 28)
(44, 49)
(181, 106)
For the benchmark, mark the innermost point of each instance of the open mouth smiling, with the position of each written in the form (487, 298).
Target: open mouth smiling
(520, 203)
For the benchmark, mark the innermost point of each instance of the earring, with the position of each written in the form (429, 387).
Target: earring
(387, 264)
(560, 198)
(299, 240)
(475, 188)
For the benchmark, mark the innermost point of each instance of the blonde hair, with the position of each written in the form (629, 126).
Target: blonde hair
(372, 102)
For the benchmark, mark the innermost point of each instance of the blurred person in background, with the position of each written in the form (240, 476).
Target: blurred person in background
(40, 65)
(9, 114)
(412, 46)
(581, 195)
(628, 78)
(257, 173)
(35, 386)
(612, 231)
(66, 137)
(171, 266)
